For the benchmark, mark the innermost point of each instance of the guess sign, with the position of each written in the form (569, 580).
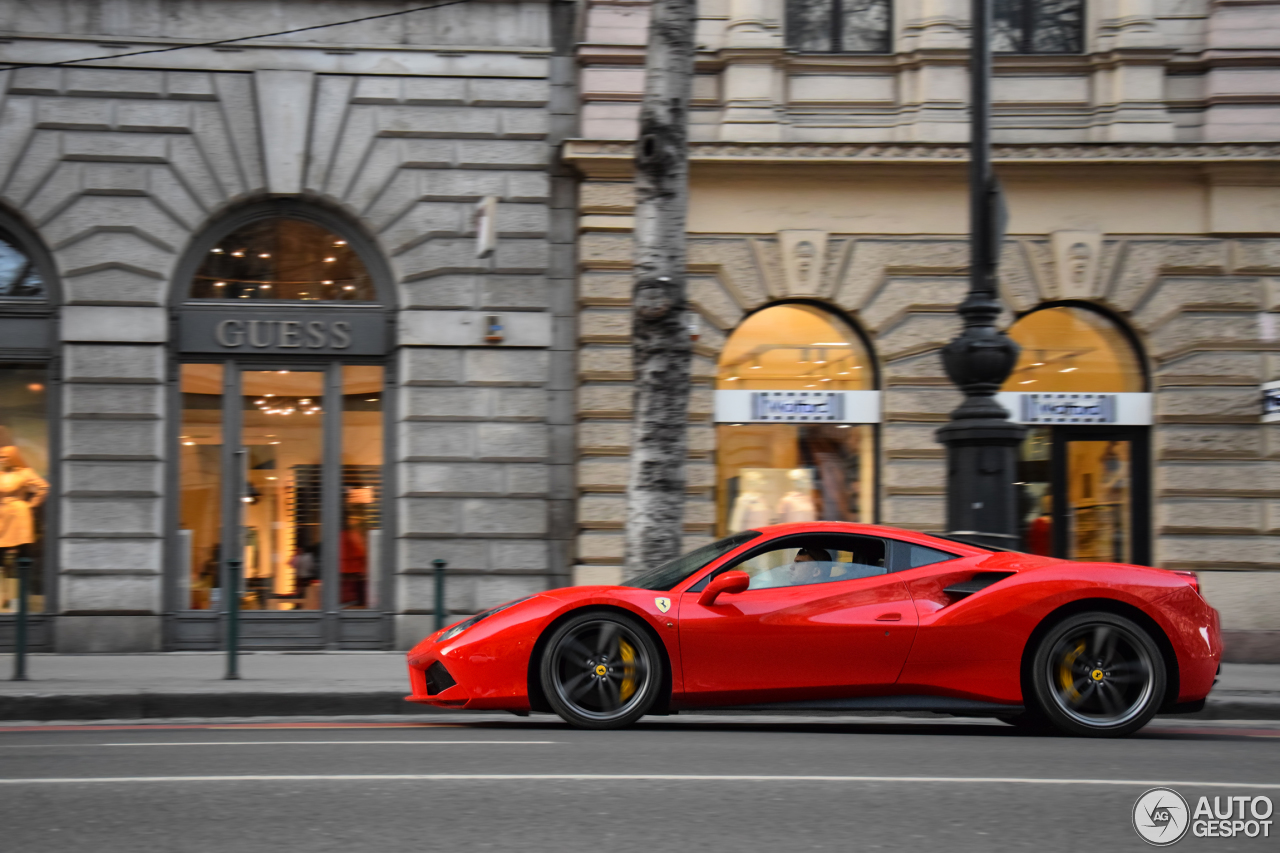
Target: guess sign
(284, 332)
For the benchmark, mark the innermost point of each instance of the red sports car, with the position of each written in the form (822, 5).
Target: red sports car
(829, 615)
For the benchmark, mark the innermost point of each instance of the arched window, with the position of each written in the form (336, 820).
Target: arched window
(19, 276)
(27, 405)
(283, 260)
(795, 439)
(795, 347)
(281, 435)
(1083, 473)
(1071, 349)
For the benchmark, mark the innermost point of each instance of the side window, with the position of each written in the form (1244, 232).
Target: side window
(801, 562)
(919, 556)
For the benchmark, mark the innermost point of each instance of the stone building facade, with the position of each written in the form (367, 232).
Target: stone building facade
(1140, 156)
(121, 176)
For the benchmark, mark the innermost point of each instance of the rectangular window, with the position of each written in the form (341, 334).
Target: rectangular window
(361, 542)
(839, 26)
(271, 444)
(200, 483)
(283, 436)
(1038, 26)
(24, 486)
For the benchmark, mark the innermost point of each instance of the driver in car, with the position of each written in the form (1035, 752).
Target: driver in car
(811, 565)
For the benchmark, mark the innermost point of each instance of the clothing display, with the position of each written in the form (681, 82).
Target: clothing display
(797, 506)
(21, 491)
(749, 511)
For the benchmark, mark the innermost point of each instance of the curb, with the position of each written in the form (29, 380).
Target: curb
(141, 706)
(137, 706)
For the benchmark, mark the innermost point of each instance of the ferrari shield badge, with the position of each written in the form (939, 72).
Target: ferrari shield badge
(664, 604)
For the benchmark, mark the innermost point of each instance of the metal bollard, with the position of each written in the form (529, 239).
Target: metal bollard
(440, 610)
(20, 629)
(232, 594)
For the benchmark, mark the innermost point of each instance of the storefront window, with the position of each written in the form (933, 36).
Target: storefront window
(200, 483)
(281, 259)
(284, 438)
(362, 391)
(282, 506)
(24, 475)
(771, 473)
(1080, 493)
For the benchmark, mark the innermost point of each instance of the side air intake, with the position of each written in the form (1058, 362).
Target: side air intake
(438, 679)
(977, 583)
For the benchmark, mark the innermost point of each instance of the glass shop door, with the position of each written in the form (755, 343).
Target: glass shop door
(306, 492)
(1085, 493)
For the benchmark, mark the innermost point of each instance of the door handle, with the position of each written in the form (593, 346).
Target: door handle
(889, 617)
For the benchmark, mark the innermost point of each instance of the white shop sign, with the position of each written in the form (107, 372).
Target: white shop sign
(797, 407)
(1079, 408)
(1271, 402)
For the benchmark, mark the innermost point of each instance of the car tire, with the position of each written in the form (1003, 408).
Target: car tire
(1097, 675)
(601, 670)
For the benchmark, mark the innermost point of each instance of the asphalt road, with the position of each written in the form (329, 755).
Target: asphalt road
(677, 783)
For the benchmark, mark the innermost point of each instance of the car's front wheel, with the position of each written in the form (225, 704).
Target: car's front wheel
(1098, 675)
(601, 670)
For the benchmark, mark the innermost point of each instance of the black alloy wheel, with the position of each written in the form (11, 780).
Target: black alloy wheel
(601, 670)
(1098, 675)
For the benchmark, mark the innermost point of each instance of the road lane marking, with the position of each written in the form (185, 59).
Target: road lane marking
(280, 743)
(640, 777)
(132, 727)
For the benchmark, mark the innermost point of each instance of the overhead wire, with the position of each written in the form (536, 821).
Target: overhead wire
(5, 66)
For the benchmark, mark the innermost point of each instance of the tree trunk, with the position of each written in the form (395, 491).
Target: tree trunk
(662, 347)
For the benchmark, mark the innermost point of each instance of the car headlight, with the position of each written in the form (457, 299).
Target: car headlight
(467, 623)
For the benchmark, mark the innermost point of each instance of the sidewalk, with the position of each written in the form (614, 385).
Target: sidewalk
(319, 684)
(190, 684)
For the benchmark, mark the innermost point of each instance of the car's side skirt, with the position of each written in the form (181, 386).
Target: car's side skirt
(941, 704)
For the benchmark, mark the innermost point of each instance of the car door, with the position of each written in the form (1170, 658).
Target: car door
(845, 633)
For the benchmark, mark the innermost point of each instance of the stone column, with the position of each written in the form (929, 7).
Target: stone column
(113, 441)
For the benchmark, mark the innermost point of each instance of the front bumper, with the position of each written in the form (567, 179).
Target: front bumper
(433, 684)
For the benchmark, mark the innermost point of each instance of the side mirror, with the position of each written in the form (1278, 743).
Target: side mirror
(728, 583)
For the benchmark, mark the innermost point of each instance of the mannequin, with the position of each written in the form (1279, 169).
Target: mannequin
(750, 509)
(1040, 530)
(797, 504)
(21, 491)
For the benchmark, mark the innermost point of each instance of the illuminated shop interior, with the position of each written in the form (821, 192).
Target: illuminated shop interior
(780, 472)
(1069, 349)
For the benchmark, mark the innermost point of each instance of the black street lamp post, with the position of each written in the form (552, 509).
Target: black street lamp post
(981, 442)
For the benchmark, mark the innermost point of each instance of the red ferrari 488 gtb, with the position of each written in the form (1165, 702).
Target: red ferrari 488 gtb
(830, 616)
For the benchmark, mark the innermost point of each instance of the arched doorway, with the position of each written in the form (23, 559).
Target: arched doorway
(1084, 469)
(796, 411)
(28, 447)
(282, 425)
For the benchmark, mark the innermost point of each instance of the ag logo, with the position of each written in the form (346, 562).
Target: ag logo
(1160, 816)
(664, 604)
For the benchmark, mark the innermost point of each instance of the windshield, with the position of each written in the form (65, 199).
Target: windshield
(670, 574)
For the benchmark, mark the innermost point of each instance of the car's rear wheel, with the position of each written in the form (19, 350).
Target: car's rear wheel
(601, 670)
(1098, 675)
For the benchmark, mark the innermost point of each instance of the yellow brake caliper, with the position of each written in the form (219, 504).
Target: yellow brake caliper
(628, 669)
(1065, 677)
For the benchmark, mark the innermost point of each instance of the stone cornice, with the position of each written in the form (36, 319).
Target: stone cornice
(608, 156)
